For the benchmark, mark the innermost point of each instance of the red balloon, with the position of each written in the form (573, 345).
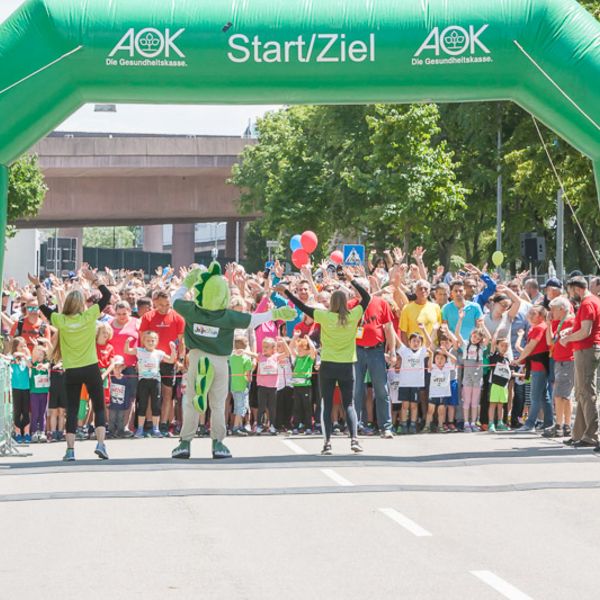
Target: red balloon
(337, 257)
(309, 241)
(300, 258)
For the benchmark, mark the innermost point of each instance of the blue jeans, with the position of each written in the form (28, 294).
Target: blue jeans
(540, 399)
(373, 360)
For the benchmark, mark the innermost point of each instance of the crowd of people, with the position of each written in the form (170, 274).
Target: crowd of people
(385, 349)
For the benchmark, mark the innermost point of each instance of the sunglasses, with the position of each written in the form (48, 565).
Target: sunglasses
(32, 309)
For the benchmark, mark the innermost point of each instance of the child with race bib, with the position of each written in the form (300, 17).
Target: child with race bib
(304, 355)
(19, 373)
(266, 379)
(38, 392)
(240, 367)
(120, 402)
(500, 375)
(440, 388)
(149, 359)
(412, 377)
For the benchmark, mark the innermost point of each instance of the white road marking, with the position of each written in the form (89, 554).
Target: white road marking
(294, 447)
(502, 587)
(336, 477)
(405, 522)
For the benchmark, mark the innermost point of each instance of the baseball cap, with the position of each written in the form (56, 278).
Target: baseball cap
(119, 360)
(554, 282)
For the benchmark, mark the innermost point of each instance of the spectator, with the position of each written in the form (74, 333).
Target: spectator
(375, 337)
(532, 289)
(169, 326)
(31, 326)
(585, 337)
(419, 311)
(473, 315)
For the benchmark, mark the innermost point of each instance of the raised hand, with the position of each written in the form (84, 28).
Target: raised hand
(34, 280)
(418, 253)
(278, 269)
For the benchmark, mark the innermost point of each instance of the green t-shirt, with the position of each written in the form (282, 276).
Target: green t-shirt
(303, 368)
(210, 330)
(240, 366)
(78, 337)
(39, 380)
(338, 344)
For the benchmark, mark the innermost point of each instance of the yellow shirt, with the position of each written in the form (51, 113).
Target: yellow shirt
(412, 314)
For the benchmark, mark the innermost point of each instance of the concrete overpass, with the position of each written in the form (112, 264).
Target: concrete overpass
(121, 179)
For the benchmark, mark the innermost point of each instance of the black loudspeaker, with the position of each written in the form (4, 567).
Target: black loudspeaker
(533, 247)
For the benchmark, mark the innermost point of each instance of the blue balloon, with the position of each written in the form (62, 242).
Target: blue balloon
(296, 242)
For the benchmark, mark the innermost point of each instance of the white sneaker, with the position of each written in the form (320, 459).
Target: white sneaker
(43, 438)
(35, 438)
(272, 430)
(388, 435)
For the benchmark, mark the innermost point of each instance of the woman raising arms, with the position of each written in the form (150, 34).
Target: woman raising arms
(339, 327)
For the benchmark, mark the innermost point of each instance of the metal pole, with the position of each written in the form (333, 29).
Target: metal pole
(560, 235)
(499, 187)
(237, 241)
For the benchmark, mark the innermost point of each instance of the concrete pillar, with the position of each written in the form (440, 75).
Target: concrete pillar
(153, 238)
(77, 233)
(234, 240)
(184, 244)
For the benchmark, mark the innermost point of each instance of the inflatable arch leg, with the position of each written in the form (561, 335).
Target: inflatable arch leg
(3, 214)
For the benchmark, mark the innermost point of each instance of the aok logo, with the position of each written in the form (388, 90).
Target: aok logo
(149, 43)
(454, 41)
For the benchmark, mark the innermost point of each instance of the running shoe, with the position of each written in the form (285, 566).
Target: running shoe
(336, 428)
(139, 433)
(240, 432)
(387, 434)
(19, 438)
(126, 433)
(566, 432)
(35, 438)
(524, 429)
(491, 428)
(273, 431)
(501, 427)
(327, 449)
(552, 432)
(182, 451)
(295, 431)
(220, 450)
(412, 428)
(69, 455)
(27, 439)
(308, 432)
(426, 429)
(42, 438)
(100, 451)
(402, 429)
(156, 433)
(468, 428)
(355, 446)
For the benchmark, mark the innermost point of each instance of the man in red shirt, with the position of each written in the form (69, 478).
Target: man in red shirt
(536, 352)
(585, 337)
(31, 326)
(170, 326)
(375, 335)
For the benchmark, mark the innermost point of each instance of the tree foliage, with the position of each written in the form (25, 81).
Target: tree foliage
(26, 190)
(109, 237)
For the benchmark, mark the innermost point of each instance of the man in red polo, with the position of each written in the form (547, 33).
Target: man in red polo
(169, 325)
(375, 335)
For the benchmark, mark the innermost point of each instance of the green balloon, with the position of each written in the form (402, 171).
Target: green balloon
(497, 258)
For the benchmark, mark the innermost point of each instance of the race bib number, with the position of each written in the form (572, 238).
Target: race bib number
(42, 380)
(299, 380)
(266, 368)
(205, 331)
(117, 394)
(502, 370)
(360, 332)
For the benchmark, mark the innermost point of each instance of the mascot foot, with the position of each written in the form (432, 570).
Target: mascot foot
(220, 450)
(204, 379)
(182, 451)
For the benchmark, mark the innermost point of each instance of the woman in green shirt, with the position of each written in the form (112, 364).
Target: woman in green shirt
(339, 326)
(77, 341)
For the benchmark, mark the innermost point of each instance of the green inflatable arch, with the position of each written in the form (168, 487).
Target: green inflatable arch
(59, 54)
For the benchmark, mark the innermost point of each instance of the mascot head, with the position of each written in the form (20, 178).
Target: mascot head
(211, 290)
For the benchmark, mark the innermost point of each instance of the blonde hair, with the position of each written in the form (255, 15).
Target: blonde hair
(338, 303)
(74, 303)
(106, 328)
(146, 334)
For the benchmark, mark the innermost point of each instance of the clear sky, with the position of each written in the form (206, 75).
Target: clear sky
(134, 118)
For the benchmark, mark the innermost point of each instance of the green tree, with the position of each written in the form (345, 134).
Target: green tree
(26, 190)
(110, 237)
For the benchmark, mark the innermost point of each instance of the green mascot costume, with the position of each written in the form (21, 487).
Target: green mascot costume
(209, 330)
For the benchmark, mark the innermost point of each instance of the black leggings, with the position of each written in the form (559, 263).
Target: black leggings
(342, 374)
(148, 389)
(74, 379)
(267, 400)
(20, 400)
(303, 406)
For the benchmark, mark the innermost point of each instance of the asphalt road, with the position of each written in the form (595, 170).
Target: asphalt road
(428, 516)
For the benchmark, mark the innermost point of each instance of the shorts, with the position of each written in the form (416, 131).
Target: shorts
(167, 374)
(498, 394)
(240, 403)
(337, 396)
(454, 393)
(409, 394)
(564, 378)
(446, 401)
(395, 398)
(58, 391)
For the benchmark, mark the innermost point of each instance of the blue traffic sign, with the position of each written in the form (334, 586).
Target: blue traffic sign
(354, 255)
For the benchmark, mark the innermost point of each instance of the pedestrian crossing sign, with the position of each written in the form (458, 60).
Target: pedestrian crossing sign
(354, 255)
